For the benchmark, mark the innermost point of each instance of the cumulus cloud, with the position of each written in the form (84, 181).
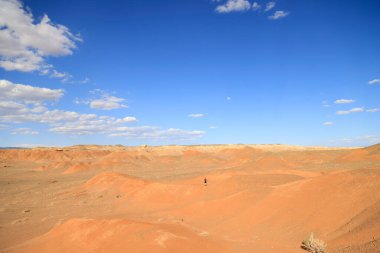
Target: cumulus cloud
(27, 94)
(344, 101)
(278, 15)
(24, 131)
(373, 110)
(353, 110)
(196, 115)
(11, 108)
(21, 103)
(112, 129)
(102, 100)
(233, 6)
(21, 113)
(74, 123)
(62, 121)
(86, 126)
(269, 6)
(374, 81)
(328, 123)
(127, 119)
(107, 103)
(26, 43)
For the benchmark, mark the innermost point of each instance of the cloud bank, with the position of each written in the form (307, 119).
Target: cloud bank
(20, 103)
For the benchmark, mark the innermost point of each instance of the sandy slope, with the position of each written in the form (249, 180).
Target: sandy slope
(259, 198)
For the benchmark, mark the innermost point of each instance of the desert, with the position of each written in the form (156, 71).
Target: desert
(258, 198)
(189, 126)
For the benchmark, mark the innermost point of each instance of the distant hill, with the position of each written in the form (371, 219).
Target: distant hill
(13, 148)
(374, 149)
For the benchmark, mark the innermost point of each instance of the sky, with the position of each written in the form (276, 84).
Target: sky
(300, 72)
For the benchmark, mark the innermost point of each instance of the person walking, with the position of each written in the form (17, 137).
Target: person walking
(205, 181)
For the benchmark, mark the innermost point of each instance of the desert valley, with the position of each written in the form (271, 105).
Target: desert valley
(258, 198)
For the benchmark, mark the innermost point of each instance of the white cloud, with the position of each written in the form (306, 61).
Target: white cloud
(107, 103)
(61, 75)
(212, 127)
(374, 81)
(365, 140)
(10, 107)
(68, 122)
(127, 119)
(112, 129)
(20, 113)
(24, 131)
(102, 100)
(353, 110)
(24, 103)
(27, 94)
(233, 5)
(269, 6)
(83, 81)
(196, 115)
(328, 123)
(84, 127)
(344, 101)
(256, 6)
(58, 74)
(278, 15)
(155, 133)
(21, 103)
(74, 123)
(26, 43)
(373, 110)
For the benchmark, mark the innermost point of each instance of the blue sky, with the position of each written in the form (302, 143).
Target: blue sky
(189, 72)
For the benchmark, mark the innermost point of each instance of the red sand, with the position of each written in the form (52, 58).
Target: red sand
(153, 199)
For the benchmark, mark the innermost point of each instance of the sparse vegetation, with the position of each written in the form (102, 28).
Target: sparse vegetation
(313, 244)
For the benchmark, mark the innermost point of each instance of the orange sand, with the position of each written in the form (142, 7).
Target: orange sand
(259, 198)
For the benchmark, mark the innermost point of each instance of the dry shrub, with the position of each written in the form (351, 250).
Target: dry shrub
(313, 244)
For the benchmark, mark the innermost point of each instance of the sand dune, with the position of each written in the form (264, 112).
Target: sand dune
(84, 235)
(259, 198)
(77, 168)
(369, 154)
